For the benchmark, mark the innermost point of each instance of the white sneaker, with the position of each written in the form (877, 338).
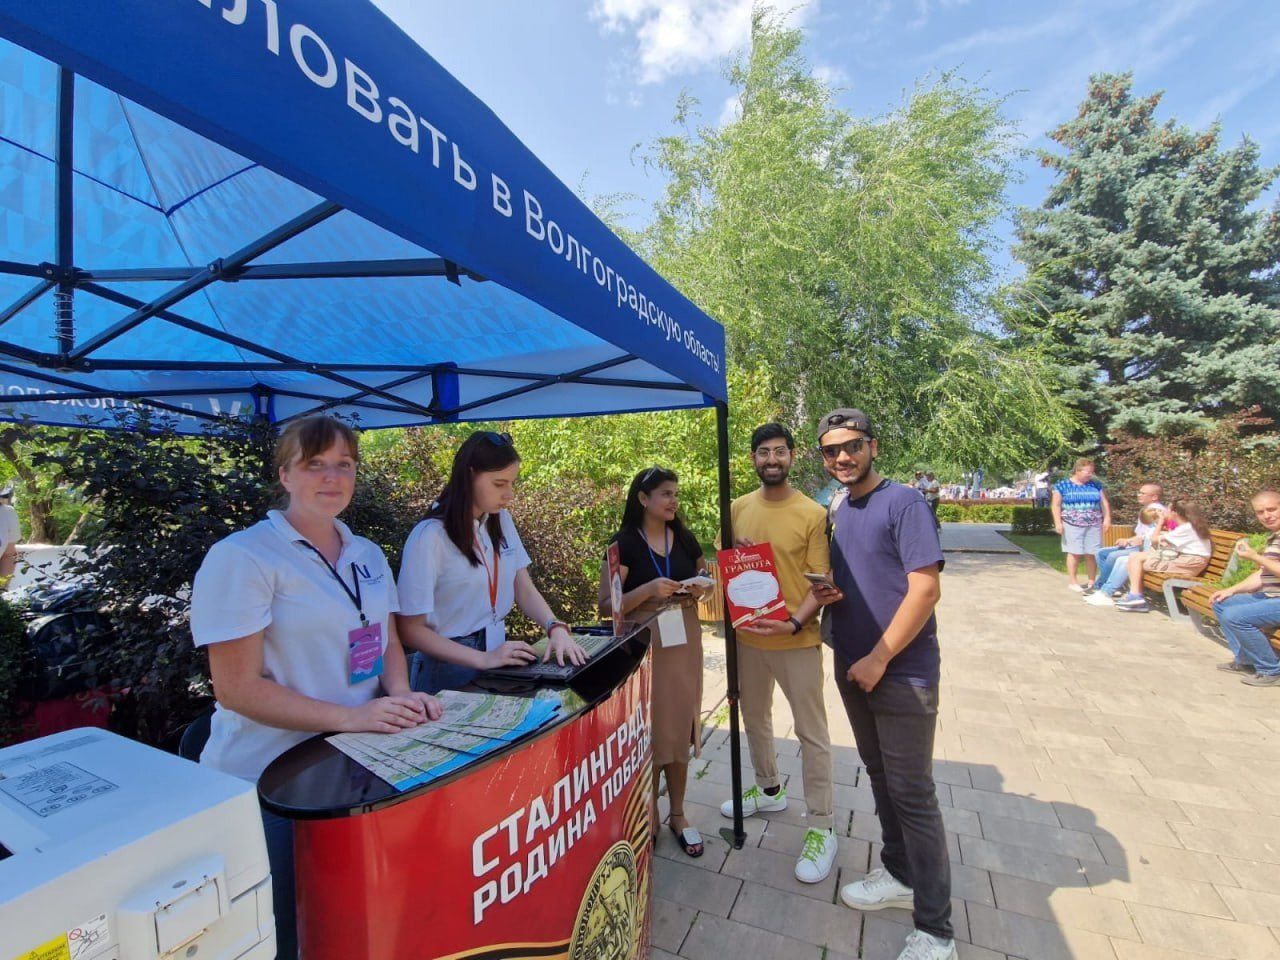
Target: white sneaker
(816, 858)
(925, 946)
(1076, 587)
(1099, 599)
(755, 800)
(877, 891)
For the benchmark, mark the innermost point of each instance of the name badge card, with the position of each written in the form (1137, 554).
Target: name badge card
(495, 635)
(670, 625)
(364, 653)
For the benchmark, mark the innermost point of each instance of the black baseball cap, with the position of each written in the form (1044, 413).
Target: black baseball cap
(847, 418)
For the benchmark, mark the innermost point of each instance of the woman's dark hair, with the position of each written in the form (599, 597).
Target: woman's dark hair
(482, 452)
(1194, 514)
(647, 481)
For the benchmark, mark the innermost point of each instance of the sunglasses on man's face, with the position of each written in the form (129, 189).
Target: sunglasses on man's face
(852, 447)
(497, 439)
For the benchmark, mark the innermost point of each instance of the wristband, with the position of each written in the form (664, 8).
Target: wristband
(552, 624)
(796, 623)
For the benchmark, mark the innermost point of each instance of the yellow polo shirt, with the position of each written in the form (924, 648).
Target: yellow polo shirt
(796, 529)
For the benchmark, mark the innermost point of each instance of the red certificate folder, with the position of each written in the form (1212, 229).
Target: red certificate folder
(751, 587)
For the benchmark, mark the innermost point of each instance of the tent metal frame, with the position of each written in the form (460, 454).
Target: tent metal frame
(65, 278)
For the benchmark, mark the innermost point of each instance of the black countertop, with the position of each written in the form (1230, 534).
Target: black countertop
(316, 781)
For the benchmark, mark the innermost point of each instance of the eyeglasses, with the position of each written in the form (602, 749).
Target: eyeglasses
(852, 447)
(497, 439)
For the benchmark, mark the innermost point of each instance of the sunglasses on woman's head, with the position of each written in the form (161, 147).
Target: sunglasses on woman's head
(497, 439)
(852, 447)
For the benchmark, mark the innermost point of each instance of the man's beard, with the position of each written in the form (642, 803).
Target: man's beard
(776, 479)
(859, 476)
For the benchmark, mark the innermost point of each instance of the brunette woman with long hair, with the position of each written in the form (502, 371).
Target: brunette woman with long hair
(656, 552)
(464, 568)
(1183, 551)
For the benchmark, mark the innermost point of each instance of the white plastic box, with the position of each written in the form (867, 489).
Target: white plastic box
(110, 850)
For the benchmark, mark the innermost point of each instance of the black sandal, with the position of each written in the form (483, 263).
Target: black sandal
(690, 840)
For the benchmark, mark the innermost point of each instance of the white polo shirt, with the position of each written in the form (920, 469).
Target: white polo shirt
(266, 578)
(437, 581)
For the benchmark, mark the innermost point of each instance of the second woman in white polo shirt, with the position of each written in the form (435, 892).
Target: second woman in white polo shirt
(464, 568)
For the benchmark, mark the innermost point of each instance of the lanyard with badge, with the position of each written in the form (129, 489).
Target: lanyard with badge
(364, 643)
(495, 631)
(670, 622)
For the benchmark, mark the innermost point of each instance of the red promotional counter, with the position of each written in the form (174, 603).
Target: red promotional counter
(541, 850)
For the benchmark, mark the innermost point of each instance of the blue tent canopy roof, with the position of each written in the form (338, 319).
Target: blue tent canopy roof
(237, 205)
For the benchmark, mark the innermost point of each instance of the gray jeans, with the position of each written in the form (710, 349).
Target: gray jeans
(894, 727)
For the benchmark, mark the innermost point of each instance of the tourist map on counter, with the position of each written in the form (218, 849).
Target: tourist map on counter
(472, 725)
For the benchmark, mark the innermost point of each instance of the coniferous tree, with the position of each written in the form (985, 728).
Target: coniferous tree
(1156, 267)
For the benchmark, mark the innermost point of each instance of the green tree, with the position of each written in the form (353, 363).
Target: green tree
(1155, 268)
(849, 257)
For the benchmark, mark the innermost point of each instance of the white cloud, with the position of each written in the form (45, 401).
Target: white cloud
(999, 37)
(1143, 52)
(730, 112)
(682, 36)
(831, 76)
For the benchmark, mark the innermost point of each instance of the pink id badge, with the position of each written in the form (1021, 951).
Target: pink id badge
(364, 653)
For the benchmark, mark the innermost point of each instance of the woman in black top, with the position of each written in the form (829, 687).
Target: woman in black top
(657, 552)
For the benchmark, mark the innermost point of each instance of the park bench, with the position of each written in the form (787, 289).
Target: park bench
(1195, 607)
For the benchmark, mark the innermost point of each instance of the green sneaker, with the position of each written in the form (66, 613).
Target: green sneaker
(755, 800)
(817, 856)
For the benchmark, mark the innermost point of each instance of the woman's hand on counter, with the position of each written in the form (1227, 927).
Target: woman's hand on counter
(513, 653)
(391, 714)
(564, 647)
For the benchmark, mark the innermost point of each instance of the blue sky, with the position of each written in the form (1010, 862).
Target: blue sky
(582, 82)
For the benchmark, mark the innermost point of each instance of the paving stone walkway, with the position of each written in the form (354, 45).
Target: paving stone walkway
(1108, 795)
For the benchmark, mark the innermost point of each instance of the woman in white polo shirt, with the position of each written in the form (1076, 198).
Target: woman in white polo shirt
(464, 568)
(295, 612)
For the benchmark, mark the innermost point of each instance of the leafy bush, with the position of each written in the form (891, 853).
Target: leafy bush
(950, 513)
(13, 667)
(1220, 468)
(989, 513)
(1032, 520)
(1238, 569)
(164, 499)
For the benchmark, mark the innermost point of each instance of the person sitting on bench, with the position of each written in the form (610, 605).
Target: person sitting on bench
(1250, 610)
(1182, 552)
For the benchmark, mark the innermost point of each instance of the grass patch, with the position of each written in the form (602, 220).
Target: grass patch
(1043, 546)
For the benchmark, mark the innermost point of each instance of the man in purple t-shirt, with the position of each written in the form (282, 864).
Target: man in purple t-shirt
(885, 564)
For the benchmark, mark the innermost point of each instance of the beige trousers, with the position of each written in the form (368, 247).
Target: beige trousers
(799, 674)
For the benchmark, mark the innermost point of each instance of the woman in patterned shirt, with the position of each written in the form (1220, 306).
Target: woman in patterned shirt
(1081, 514)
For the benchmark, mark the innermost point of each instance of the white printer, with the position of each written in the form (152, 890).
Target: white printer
(111, 850)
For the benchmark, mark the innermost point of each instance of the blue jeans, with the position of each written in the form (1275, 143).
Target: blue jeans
(429, 675)
(1246, 620)
(279, 831)
(1112, 574)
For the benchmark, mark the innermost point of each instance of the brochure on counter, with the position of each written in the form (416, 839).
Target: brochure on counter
(472, 725)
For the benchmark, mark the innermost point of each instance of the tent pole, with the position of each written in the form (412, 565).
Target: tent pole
(64, 227)
(735, 836)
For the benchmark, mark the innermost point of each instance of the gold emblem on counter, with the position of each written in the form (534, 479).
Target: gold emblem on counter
(607, 926)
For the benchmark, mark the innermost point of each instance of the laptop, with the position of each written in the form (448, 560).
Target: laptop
(595, 644)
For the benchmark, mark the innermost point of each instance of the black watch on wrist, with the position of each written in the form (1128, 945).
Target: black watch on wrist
(797, 624)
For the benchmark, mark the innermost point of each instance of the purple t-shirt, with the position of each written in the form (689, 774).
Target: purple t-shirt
(876, 541)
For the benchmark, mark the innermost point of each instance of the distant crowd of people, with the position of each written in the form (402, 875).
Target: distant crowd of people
(1173, 540)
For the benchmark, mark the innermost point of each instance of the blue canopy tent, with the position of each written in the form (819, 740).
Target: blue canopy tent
(271, 208)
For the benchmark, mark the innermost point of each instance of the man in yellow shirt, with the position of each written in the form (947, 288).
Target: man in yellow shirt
(786, 653)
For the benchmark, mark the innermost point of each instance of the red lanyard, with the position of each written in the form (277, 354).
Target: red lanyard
(491, 577)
